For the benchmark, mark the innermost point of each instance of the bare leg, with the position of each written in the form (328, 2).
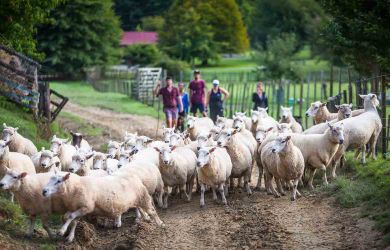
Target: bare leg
(226, 188)
(202, 190)
(137, 216)
(72, 231)
(221, 191)
(144, 214)
(160, 198)
(231, 184)
(324, 178)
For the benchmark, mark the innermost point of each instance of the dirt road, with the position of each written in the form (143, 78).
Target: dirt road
(260, 221)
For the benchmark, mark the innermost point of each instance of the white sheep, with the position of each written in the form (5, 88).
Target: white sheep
(320, 112)
(18, 143)
(287, 117)
(249, 140)
(100, 161)
(27, 189)
(167, 132)
(247, 120)
(48, 162)
(63, 150)
(223, 122)
(82, 163)
(196, 125)
(178, 168)
(260, 118)
(108, 196)
(214, 170)
(114, 148)
(284, 161)
(241, 156)
(79, 141)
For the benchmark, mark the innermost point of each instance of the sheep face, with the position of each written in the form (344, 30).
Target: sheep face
(76, 138)
(220, 122)
(280, 145)
(11, 179)
(314, 107)
(261, 134)
(370, 100)
(225, 136)
(345, 109)
(8, 132)
(79, 159)
(55, 184)
(238, 122)
(284, 128)
(99, 161)
(286, 113)
(240, 114)
(174, 139)
(215, 132)
(124, 158)
(113, 148)
(259, 113)
(46, 160)
(191, 122)
(165, 154)
(56, 144)
(203, 157)
(3, 147)
(202, 140)
(167, 132)
(337, 132)
(130, 137)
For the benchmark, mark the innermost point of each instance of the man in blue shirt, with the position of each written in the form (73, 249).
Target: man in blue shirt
(186, 103)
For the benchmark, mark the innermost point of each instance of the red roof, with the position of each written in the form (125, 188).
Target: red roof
(134, 37)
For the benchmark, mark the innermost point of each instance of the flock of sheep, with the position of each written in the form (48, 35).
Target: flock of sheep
(72, 180)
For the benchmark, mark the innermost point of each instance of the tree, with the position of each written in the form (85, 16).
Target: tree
(274, 17)
(152, 23)
(132, 11)
(143, 54)
(82, 33)
(358, 31)
(19, 19)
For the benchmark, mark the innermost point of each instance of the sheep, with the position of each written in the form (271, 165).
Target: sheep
(345, 111)
(214, 168)
(320, 112)
(63, 150)
(100, 161)
(108, 196)
(319, 149)
(27, 189)
(287, 117)
(167, 132)
(18, 143)
(78, 140)
(82, 163)
(360, 130)
(178, 168)
(114, 147)
(128, 137)
(196, 125)
(260, 118)
(247, 120)
(177, 139)
(249, 141)
(240, 154)
(48, 162)
(223, 122)
(284, 161)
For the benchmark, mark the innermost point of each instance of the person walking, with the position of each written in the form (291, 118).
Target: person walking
(259, 98)
(215, 101)
(197, 95)
(186, 102)
(171, 99)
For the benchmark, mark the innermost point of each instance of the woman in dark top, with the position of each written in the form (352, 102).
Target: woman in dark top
(259, 98)
(215, 101)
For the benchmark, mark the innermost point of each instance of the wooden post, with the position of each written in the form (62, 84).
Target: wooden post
(315, 87)
(340, 80)
(301, 100)
(295, 95)
(349, 86)
(383, 116)
(331, 81)
(308, 97)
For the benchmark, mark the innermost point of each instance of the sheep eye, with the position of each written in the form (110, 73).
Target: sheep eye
(15, 177)
(58, 182)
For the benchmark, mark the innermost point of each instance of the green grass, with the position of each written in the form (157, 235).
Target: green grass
(84, 95)
(85, 128)
(368, 187)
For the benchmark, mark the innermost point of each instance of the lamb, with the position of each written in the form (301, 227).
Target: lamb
(345, 111)
(178, 168)
(214, 170)
(108, 196)
(247, 120)
(223, 122)
(82, 163)
(287, 117)
(196, 125)
(239, 153)
(27, 189)
(18, 143)
(48, 161)
(284, 161)
(114, 148)
(100, 161)
(63, 150)
(319, 149)
(79, 141)
(320, 112)
(361, 130)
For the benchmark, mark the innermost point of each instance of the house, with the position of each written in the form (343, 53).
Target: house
(135, 37)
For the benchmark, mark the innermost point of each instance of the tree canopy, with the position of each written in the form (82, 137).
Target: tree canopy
(81, 33)
(19, 19)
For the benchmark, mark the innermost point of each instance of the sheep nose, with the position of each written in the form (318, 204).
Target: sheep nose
(341, 141)
(1, 185)
(44, 192)
(71, 169)
(119, 165)
(165, 162)
(219, 143)
(307, 115)
(273, 150)
(197, 148)
(43, 164)
(347, 115)
(198, 163)
(166, 141)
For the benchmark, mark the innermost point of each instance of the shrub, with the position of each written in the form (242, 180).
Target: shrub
(172, 66)
(143, 54)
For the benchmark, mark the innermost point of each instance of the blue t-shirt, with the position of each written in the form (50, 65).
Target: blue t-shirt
(186, 102)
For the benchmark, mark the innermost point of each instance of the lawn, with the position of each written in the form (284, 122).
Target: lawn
(83, 94)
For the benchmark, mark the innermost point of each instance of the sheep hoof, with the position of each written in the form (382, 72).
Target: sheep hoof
(137, 220)
(28, 236)
(293, 199)
(202, 205)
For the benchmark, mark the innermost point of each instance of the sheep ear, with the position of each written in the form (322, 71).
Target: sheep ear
(278, 125)
(323, 104)
(71, 132)
(7, 170)
(209, 136)
(54, 137)
(157, 149)
(244, 113)
(337, 106)
(329, 125)
(22, 175)
(350, 105)
(4, 125)
(266, 109)
(362, 96)
(163, 127)
(288, 137)
(235, 131)
(90, 154)
(173, 148)
(212, 149)
(281, 106)
(43, 148)
(66, 177)
(234, 116)
(7, 142)
(269, 129)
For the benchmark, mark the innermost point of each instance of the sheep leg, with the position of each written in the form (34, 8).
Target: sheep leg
(118, 221)
(311, 177)
(240, 183)
(261, 171)
(12, 197)
(137, 215)
(149, 208)
(45, 223)
(183, 191)
(232, 184)
(373, 145)
(31, 227)
(221, 191)
(165, 201)
(246, 183)
(268, 180)
(70, 237)
(357, 153)
(271, 186)
(160, 198)
(190, 186)
(144, 214)
(294, 191)
(226, 187)
(363, 147)
(70, 217)
(202, 190)
(214, 194)
(279, 186)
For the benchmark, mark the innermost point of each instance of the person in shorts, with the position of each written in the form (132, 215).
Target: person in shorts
(186, 102)
(171, 99)
(197, 95)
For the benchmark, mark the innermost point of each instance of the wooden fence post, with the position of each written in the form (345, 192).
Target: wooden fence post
(384, 136)
(349, 86)
(331, 81)
(301, 100)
